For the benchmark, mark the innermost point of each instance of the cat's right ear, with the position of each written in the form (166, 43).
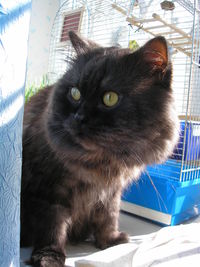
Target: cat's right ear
(155, 53)
(81, 45)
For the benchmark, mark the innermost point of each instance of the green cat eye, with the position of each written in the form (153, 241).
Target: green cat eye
(110, 99)
(75, 93)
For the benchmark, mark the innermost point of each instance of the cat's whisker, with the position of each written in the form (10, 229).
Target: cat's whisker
(159, 197)
(152, 183)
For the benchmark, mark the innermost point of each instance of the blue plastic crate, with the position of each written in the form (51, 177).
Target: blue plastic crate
(163, 199)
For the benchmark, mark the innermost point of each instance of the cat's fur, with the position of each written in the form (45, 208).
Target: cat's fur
(77, 158)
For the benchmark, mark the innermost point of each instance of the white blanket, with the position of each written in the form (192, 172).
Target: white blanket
(175, 246)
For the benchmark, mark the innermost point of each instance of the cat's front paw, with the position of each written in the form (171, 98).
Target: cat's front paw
(113, 239)
(47, 257)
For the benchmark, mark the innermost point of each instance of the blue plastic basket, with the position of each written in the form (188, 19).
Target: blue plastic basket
(164, 200)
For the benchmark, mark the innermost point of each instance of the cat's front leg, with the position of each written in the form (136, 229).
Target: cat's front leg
(105, 223)
(50, 238)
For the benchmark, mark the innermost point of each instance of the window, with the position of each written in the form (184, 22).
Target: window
(71, 22)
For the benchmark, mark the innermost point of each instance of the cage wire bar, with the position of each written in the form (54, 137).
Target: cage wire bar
(131, 23)
(187, 4)
(190, 165)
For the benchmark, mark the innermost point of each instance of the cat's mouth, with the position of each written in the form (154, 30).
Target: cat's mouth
(80, 138)
(88, 145)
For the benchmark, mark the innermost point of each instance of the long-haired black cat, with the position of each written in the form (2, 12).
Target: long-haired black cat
(86, 138)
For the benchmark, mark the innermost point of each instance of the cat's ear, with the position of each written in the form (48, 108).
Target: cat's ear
(81, 45)
(155, 53)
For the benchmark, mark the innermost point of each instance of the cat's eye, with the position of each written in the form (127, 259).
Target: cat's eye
(75, 94)
(110, 99)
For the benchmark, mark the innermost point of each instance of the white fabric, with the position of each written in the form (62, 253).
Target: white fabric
(169, 247)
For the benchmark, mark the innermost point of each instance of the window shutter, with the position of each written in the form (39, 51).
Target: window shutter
(71, 23)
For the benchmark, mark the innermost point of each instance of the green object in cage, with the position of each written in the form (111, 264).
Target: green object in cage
(133, 45)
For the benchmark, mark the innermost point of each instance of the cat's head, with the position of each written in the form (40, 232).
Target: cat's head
(116, 101)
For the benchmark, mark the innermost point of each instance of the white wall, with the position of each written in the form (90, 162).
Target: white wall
(42, 17)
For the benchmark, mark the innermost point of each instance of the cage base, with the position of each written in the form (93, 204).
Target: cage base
(157, 216)
(146, 213)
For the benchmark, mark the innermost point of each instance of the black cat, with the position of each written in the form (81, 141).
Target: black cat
(88, 136)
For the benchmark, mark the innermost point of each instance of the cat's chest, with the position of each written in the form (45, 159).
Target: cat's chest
(82, 195)
(88, 197)
(83, 189)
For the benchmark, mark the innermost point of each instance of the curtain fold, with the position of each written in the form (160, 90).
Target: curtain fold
(14, 27)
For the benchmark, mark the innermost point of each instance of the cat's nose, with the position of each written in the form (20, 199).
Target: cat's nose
(78, 117)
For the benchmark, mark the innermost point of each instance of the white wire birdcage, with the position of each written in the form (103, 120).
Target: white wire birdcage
(97, 21)
(132, 23)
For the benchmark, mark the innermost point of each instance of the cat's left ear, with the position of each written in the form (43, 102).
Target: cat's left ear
(81, 45)
(155, 53)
